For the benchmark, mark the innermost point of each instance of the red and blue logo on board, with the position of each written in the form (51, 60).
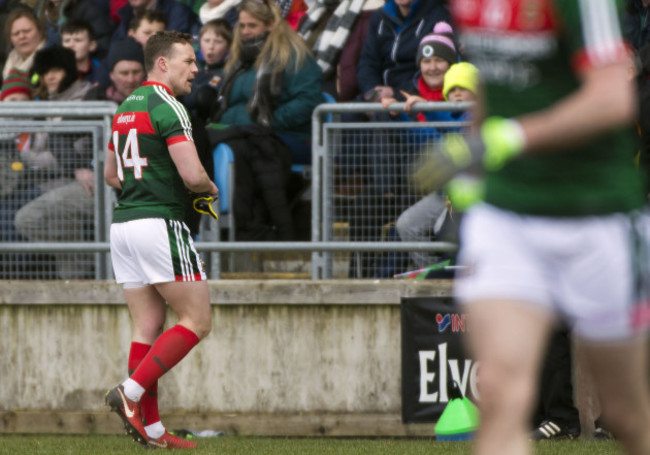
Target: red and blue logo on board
(455, 321)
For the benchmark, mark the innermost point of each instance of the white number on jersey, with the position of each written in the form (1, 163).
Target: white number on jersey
(130, 156)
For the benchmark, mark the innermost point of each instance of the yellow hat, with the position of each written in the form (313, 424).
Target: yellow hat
(464, 75)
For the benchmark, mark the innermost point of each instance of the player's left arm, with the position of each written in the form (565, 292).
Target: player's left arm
(110, 170)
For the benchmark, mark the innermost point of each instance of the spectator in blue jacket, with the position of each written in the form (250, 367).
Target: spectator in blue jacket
(387, 64)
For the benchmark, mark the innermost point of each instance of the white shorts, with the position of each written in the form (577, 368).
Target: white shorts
(594, 271)
(154, 250)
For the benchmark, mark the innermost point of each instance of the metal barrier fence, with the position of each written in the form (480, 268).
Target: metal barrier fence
(361, 172)
(46, 150)
(359, 187)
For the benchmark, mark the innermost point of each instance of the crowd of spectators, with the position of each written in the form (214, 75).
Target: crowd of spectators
(263, 68)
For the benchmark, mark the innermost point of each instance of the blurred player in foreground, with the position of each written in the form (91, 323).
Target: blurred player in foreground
(153, 161)
(561, 231)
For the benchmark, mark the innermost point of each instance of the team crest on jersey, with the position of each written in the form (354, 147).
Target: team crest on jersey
(496, 14)
(531, 15)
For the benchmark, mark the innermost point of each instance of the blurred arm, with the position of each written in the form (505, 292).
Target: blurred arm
(592, 110)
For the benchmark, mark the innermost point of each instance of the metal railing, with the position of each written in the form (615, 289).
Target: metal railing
(360, 185)
(329, 136)
(43, 143)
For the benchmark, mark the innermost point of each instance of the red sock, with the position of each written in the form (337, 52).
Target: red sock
(149, 401)
(174, 344)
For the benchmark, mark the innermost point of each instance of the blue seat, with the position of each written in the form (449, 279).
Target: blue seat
(210, 230)
(223, 159)
(224, 177)
(329, 118)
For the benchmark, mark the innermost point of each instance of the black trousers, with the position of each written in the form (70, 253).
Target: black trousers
(555, 401)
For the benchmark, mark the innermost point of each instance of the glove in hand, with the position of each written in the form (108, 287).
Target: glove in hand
(203, 204)
(464, 191)
(500, 140)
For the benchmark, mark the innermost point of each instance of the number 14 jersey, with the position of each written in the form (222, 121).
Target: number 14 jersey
(144, 126)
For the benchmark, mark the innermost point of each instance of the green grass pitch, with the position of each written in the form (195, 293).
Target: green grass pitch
(11, 444)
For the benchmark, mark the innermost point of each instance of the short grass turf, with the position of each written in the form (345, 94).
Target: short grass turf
(11, 444)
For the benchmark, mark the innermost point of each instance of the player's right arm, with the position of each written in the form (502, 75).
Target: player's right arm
(110, 170)
(190, 168)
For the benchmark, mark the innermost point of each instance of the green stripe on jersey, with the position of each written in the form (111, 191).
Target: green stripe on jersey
(185, 260)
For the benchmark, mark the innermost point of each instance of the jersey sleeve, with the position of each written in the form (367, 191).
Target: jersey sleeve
(593, 31)
(172, 121)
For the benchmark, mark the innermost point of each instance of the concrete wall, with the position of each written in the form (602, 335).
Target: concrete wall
(319, 357)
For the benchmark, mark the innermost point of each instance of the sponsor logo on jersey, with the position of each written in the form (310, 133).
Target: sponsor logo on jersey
(126, 118)
(127, 121)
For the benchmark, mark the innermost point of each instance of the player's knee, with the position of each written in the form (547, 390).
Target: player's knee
(505, 390)
(149, 331)
(203, 327)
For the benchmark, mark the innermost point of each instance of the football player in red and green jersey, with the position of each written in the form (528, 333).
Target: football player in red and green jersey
(153, 161)
(561, 230)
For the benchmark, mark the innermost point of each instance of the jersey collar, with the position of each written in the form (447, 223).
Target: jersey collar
(158, 83)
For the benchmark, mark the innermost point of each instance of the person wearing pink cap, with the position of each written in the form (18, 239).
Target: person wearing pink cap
(436, 53)
(387, 63)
